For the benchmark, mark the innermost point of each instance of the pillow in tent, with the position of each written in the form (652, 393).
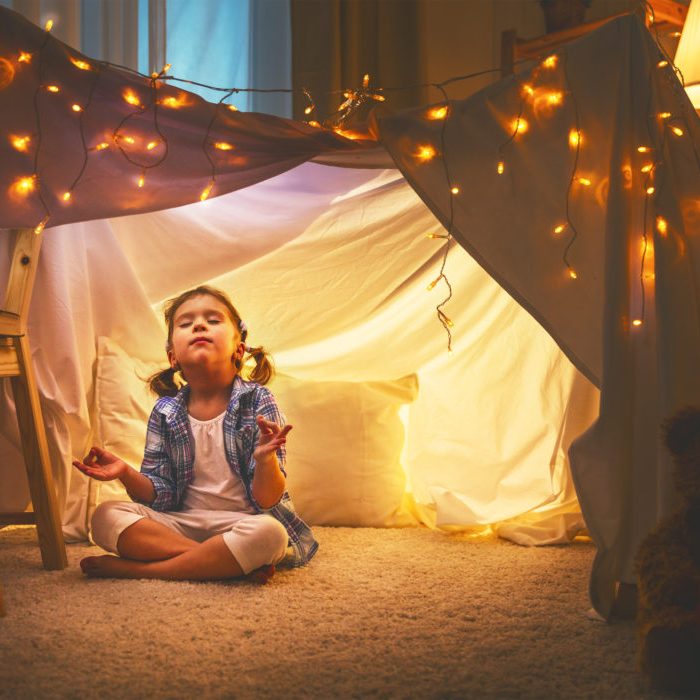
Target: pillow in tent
(124, 403)
(344, 452)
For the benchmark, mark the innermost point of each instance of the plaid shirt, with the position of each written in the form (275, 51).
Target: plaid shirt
(168, 459)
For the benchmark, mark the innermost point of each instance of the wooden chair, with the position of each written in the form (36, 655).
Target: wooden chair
(16, 363)
(667, 14)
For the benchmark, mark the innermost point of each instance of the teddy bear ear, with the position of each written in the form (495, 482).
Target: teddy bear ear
(682, 430)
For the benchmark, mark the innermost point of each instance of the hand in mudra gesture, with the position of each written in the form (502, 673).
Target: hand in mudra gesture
(272, 437)
(101, 465)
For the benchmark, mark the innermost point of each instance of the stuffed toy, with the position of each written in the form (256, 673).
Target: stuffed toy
(668, 571)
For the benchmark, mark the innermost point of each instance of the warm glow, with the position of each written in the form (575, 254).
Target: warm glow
(637, 322)
(575, 138)
(309, 109)
(662, 64)
(24, 185)
(223, 146)
(379, 98)
(206, 191)
(650, 190)
(501, 167)
(528, 90)
(313, 122)
(584, 181)
(455, 190)
(365, 80)
(166, 68)
(40, 226)
(647, 168)
(433, 283)
(425, 153)
(151, 145)
(550, 61)
(677, 130)
(21, 143)
(131, 97)
(83, 65)
(437, 113)
(49, 25)
(436, 235)
(24, 57)
(661, 225)
(448, 321)
(555, 98)
(348, 134)
(519, 125)
(664, 115)
(76, 108)
(101, 146)
(572, 274)
(233, 108)
(66, 196)
(142, 180)
(643, 149)
(53, 88)
(559, 229)
(175, 102)
(128, 139)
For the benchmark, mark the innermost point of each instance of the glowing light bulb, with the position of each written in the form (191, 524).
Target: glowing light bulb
(425, 153)
(24, 185)
(643, 149)
(53, 88)
(677, 130)
(83, 65)
(20, 143)
(433, 283)
(662, 64)
(313, 122)
(142, 180)
(572, 274)
(41, 225)
(448, 321)
(101, 146)
(675, 35)
(559, 229)
(24, 57)
(151, 145)
(528, 90)
(309, 109)
(206, 191)
(637, 322)
(575, 138)
(436, 235)
(647, 167)
(128, 139)
(584, 181)
(66, 196)
(166, 68)
(555, 98)
(76, 108)
(550, 61)
(454, 190)
(661, 225)
(650, 189)
(501, 167)
(664, 115)
(223, 146)
(519, 125)
(131, 97)
(437, 113)
(49, 25)
(365, 80)
(233, 108)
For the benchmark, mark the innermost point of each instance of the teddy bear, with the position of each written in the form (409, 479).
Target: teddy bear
(668, 571)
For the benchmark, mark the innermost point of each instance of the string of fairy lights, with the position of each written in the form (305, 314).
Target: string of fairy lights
(660, 126)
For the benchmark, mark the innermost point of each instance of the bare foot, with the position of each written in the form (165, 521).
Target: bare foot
(261, 575)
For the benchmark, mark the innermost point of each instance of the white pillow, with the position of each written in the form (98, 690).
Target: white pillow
(344, 451)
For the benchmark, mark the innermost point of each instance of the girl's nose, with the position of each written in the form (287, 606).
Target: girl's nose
(199, 326)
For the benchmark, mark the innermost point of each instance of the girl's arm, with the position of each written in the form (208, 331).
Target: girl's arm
(104, 466)
(268, 478)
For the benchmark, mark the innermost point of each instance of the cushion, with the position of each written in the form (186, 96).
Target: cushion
(344, 451)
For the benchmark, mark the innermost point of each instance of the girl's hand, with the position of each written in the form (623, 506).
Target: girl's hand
(272, 437)
(101, 465)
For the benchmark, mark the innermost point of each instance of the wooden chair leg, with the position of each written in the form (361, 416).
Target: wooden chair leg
(36, 459)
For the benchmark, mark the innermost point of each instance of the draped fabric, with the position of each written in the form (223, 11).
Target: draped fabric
(331, 265)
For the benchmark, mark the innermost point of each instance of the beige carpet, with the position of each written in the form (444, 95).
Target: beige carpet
(377, 614)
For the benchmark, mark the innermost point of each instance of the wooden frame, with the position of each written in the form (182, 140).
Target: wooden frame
(16, 363)
(666, 13)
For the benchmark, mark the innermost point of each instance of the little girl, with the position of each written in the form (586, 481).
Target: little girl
(210, 500)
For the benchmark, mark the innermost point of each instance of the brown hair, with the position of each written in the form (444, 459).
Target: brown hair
(167, 382)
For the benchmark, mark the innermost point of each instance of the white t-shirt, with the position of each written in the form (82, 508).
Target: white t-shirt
(214, 486)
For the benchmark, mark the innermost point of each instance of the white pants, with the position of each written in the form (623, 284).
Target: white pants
(254, 539)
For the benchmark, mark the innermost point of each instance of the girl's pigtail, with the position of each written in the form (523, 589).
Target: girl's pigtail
(163, 383)
(264, 370)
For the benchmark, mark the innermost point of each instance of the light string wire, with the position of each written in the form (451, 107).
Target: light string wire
(37, 118)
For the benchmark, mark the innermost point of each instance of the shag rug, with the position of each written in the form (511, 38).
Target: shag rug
(398, 613)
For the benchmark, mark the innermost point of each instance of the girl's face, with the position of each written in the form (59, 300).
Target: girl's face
(204, 335)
